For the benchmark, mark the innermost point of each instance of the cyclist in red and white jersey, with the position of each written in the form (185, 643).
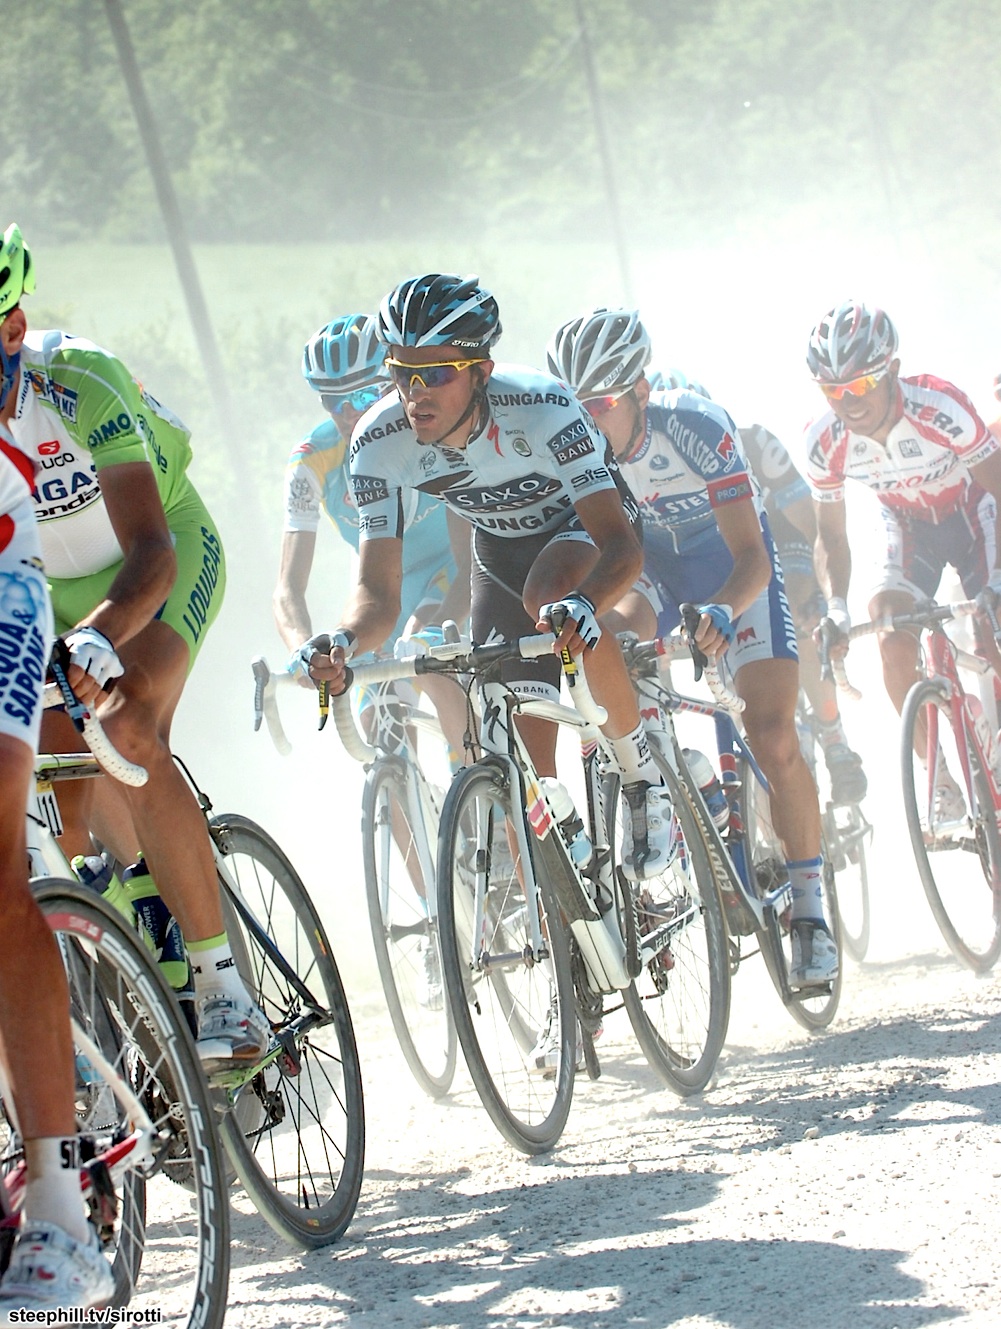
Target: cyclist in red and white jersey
(933, 464)
(57, 1260)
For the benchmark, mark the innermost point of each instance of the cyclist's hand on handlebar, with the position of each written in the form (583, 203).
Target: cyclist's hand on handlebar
(93, 663)
(325, 658)
(714, 631)
(831, 634)
(414, 644)
(574, 622)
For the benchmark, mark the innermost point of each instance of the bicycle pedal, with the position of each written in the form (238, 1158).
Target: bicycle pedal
(102, 1200)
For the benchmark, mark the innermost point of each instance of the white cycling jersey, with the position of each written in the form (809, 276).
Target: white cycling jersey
(536, 454)
(922, 471)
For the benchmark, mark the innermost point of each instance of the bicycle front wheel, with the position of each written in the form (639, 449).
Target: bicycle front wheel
(296, 1132)
(948, 842)
(679, 1006)
(121, 1004)
(506, 962)
(813, 1008)
(404, 934)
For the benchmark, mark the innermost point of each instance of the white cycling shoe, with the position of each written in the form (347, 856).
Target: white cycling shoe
(815, 960)
(648, 841)
(232, 1033)
(50, 1270)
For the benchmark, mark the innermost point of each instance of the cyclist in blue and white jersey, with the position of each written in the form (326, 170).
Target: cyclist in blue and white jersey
(510, 451)
(343, 363)
(57, 1260)
(706, 540)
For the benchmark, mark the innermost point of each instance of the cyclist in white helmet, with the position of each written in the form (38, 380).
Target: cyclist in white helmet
(706, 541)
(57, 1260)
(509, 450)
(920, 445)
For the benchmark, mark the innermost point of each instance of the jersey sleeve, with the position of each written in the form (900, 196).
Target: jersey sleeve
(708, 441)
(776, 473)
(303, 490)
(953, 419)
(109, 407)
(377, 494)
(576, 450)
(826, 442)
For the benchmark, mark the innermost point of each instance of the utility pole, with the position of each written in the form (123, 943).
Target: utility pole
(177, 234)
(604, 151)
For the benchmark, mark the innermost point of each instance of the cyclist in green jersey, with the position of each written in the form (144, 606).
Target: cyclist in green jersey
(136, 574)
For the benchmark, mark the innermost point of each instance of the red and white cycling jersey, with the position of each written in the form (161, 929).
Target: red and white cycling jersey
(923, 469)
(17, 472)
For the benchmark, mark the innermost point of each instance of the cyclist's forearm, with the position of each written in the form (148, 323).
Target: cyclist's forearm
(135, 596)
(620, 564)
(291, 616)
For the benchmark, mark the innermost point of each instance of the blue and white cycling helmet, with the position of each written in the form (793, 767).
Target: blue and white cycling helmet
(345, 356)
(674, 378)
(440, 309)
(603, 351)
(849, 342)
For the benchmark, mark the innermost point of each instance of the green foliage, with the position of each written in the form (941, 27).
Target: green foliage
(317, 120)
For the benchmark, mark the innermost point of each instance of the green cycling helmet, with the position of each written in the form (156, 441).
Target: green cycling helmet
(17, 276)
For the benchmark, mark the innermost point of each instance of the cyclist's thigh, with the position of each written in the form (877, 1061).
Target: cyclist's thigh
(500, 568)
(196, 596)
(913, 561)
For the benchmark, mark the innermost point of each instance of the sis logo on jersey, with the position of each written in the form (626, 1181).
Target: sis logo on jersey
(62, 398)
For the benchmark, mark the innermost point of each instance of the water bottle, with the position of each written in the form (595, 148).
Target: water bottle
(95, 871)
(571, 826)
(985, 734)
(709, 786)
(158, 922)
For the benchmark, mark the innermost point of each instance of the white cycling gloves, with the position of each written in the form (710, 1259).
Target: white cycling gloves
(581, 610)
(837, 612)
(92, 652)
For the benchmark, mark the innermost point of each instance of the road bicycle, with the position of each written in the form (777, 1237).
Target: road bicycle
(532, 944)
(293, 1124)
(141, 1100)
(746, 855)
(399, 829)
(951, 779)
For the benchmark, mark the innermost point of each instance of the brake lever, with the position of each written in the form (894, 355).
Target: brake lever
(690, 617)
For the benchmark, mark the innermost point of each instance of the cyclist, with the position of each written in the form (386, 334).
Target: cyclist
(343, 363)
(509, 450)
(789, 507)
(136, 575)
(935, 467)
(706, 540)
(57, 1259)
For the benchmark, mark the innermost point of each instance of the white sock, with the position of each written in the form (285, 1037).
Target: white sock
(52, 1193)
(632, 756)
(214, 971)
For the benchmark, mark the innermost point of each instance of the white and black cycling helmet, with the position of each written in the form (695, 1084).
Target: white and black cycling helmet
(345, 356)
(604, 351)
(440, 309)
(670, 379)
(849, 342)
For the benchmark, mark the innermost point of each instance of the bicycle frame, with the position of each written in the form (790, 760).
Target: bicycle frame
(941, 658)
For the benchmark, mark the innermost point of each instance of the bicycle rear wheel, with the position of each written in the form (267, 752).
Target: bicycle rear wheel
(508, 986)
(296, 1134)
(813, 1008)
(679, 1006)
(966, 903)
(121, 1003)
(407, 949)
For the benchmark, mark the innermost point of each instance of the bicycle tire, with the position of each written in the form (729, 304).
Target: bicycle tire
(968, 916)
(307, 1192)
(846, 831)
(813, 1008)
(402, 930)
(679, 1011)
(500, 1009)
(121, 1001)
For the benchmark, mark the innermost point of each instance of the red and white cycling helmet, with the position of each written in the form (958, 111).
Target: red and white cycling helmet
(849, 342)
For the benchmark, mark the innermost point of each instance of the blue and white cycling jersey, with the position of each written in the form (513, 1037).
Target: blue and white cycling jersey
(317, 477)
(689, 462)
(537, 453)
